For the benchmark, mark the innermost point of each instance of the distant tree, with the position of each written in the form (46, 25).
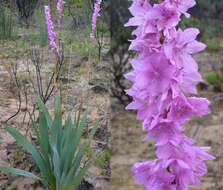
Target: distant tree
(26, 9)
(208, 9)
(119, 15)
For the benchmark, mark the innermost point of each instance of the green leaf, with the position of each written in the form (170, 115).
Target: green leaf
(68, 151)
(69, 178)
(21, 140)
(19, 172)
(80, 128)
(72, 142)
(43, 109)
(56, 130)
(67, 129)
(67, 141)
(77, 161)
(56, 165)
(44, 136)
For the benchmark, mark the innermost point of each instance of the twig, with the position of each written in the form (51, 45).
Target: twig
(19, 94)
(8, 182)
(55, 74)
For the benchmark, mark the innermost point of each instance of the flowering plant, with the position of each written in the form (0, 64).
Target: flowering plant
(50, 28)
(60, 155)
(97, 9)
(164, 80)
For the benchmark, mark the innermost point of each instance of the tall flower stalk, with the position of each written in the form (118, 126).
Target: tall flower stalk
(50, 28)
(164, 81)
(97, 9)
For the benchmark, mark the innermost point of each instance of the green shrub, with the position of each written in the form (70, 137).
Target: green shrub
(79, 41)
(6, 24)
(214, 79)
(214, 44)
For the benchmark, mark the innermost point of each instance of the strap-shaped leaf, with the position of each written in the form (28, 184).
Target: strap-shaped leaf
(67, 128)
(21, 140)
(69, 178)
(56, 165)
(16, 171)
(68, 151)
(55, 140)
(80, 129)
(67, 141)
(73, 142)
(44, 109)
(44, 136)
(56, 130)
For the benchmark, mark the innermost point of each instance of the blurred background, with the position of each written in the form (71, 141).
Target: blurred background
(92, 74)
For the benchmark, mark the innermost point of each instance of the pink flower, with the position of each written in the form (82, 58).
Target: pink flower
(138, 9)
(153, 175)
(182, 44)
(183, 108)
(178, 49)
(50, 29)
(153, 19)
(182, 5)
(185, 161)
(97, 9)
(161, 18)
(164, 131)
(146, 44)
(156, 78)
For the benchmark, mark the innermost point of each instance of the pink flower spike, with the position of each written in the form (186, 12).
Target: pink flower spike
(97, 9)
(164, 77)
(50, 28)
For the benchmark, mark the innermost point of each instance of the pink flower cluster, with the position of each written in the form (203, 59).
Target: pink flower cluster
(50, 28)
(97, 9)
(164, 79)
